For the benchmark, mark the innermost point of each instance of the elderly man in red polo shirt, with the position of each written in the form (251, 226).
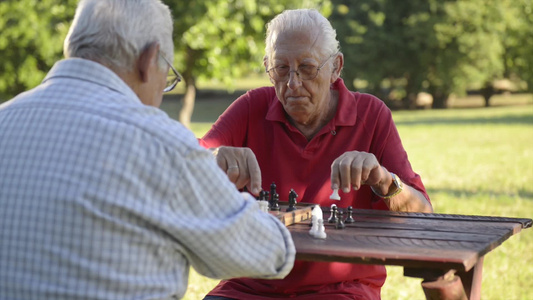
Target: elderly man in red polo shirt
(310, 133)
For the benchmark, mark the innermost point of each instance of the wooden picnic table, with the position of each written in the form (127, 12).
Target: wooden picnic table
(445, 250)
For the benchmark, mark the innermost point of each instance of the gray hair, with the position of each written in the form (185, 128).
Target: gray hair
(115, 32)
(303, 20)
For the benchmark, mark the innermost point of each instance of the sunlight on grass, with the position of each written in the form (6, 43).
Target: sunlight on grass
(476, 161)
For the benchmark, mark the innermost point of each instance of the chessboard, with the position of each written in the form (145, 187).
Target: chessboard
(301, 213)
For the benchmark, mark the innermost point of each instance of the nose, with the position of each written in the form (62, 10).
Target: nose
(294, 80)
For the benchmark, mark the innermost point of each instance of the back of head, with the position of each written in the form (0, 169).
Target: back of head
(303, 20)
(115, 32)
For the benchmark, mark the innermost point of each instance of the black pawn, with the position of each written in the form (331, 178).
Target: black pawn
(333, 217)
(349, 218)
(340, 223)
(275, 202)
(261, 195)
(292, 200)
(272, 191)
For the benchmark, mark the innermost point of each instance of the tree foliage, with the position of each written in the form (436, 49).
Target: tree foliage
(31, 40)
(401, 48)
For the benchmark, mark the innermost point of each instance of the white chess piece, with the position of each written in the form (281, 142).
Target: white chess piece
(321, 233)
(335, 195)
(317, 211)
(263, 205)
(314, 227)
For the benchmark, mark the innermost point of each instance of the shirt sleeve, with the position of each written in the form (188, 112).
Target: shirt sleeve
(231, 127)
(222, 232)
(391, 154)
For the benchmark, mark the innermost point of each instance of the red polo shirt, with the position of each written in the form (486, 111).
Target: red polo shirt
(257, 120)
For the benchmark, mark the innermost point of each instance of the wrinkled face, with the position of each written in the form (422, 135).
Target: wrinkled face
(305, 101)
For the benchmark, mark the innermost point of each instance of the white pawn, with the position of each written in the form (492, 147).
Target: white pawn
(321, 233)
(314, 227)
(263, 205)
(335, 195)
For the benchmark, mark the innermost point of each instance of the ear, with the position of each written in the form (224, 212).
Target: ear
(147, 59)
(265, 63)
(338, 63)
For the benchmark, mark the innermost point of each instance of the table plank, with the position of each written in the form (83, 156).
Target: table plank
(408, 239)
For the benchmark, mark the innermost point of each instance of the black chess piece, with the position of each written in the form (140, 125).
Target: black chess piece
(340, 223)
(272, 191)
(261, 195)
(275, 202)
(333, 217)
(292, 200)
(349, 218)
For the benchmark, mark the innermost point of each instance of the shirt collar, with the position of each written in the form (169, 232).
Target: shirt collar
(346, 108)
(87, 70)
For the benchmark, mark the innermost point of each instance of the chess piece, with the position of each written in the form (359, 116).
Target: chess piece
(333, 216)
(292, 200)
(321, 233)
(314, 226)
(262, 195)
(275, 202)
(349, 218)
(272, 191)
(263, 205)
(335, 195)
(340, 222)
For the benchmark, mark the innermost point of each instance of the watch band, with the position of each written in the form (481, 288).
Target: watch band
(399, 187)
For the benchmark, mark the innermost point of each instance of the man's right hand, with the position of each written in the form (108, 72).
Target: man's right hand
(241, 166)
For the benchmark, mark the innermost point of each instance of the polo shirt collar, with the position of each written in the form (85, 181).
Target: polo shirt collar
(346, 108)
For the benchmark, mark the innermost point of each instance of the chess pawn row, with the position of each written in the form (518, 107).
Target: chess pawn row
(336, 217)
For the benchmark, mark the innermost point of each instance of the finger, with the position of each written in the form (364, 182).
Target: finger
(369, 164)
(254, 172)
(233, 172)
(345, 172)
(356, 169)
(335, 174)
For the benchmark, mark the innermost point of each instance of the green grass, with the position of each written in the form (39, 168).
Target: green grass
(473, 161)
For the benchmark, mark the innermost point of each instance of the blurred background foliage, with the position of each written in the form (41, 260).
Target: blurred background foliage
(393, 49)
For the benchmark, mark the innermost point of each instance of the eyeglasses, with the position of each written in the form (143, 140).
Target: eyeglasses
(172, 78)
(304, 72)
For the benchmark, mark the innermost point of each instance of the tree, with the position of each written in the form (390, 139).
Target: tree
(440, 46)
(31, 40)
(223, 39)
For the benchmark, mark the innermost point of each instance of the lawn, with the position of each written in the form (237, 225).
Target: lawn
(473, 160)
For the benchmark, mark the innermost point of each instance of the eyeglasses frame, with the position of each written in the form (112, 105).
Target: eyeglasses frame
(298, 74)
(178, 79)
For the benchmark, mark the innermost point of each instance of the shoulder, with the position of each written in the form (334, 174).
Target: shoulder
(370, 106)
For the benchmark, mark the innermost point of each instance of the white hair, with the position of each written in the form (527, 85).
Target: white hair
(116, 32)
(303, 20)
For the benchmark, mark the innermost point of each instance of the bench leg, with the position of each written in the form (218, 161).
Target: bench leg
(449, 285)
(446, 287)
(472, 280)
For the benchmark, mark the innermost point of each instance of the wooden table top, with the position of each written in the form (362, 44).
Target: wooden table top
(415, 240)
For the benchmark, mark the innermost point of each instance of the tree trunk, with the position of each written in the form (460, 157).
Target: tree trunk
(440, 98)
(487, 92)
(190, 90)
(188, 103)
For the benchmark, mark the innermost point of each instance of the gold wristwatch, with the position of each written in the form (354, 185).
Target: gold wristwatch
(399, 187)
